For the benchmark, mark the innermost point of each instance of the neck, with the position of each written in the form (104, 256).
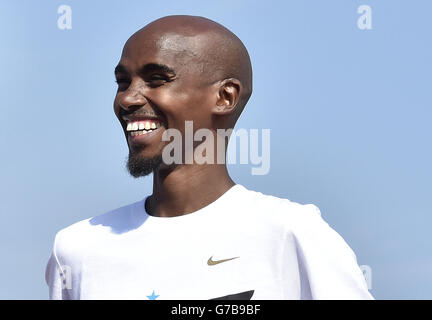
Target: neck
(187, 188)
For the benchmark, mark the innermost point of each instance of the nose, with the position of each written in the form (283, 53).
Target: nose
(133, 97)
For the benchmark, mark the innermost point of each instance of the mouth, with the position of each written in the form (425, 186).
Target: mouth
(141, 129)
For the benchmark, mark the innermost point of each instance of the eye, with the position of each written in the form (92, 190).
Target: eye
(123, 83)
(156, 80)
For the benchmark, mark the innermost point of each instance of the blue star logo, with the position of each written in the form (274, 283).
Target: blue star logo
(153, 296)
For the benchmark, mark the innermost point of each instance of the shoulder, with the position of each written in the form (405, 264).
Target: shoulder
(83, 232)
(303, 224)
(283, 211)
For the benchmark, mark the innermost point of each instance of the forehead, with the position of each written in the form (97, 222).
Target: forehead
(176, 50)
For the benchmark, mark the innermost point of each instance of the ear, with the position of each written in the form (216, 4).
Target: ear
(228, 96)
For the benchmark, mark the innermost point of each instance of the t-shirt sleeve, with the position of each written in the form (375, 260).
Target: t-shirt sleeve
(327, 265)
(53, 276)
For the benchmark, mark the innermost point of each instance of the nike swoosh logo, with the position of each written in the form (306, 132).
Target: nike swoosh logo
(212, 262)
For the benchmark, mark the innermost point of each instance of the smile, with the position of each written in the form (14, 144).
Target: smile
(137, 128)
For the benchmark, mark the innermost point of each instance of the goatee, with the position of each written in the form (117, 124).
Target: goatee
(141, 166)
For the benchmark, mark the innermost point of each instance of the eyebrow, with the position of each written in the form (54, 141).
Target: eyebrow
(149, 67)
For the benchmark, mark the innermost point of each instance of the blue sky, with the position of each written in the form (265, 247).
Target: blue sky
(349, 112)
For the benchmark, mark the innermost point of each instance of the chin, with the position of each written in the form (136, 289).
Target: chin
(139, 165)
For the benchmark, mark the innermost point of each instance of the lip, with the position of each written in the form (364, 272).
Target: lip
(140, 118)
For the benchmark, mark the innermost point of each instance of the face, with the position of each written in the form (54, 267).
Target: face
(160, 86)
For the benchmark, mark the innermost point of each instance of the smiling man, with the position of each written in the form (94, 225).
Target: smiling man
(199, 235)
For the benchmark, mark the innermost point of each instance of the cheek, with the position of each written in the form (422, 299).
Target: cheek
(190, 104)
(177, 107)
(179, 104)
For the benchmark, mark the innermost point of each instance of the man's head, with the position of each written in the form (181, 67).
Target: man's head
(177, 69)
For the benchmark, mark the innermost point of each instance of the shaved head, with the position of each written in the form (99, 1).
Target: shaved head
(211, 50)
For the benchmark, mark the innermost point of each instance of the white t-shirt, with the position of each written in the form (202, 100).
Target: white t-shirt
(245, 245)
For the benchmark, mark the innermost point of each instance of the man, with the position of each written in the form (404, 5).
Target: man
(199, 235)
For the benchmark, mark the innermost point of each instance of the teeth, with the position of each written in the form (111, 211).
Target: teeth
(140, 132)
(143, 126)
